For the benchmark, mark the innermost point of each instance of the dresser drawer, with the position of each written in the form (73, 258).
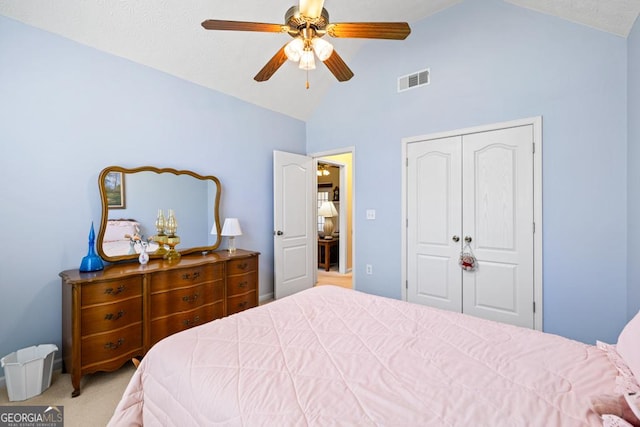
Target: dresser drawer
(242, 265)
(241, 302)
(105, 317)
(111, 345)
(111, 290)
(241, 283)
(165, 326)
(183, 277)
(184, 299)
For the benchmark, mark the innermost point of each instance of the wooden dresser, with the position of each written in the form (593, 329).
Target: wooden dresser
(112, 315)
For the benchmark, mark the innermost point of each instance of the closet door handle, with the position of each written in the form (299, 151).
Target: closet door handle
(455, 239)
(468, 239)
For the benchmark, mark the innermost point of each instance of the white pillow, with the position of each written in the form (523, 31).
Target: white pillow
(628, 346)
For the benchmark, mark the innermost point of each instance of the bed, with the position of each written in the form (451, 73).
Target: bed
(332, 356)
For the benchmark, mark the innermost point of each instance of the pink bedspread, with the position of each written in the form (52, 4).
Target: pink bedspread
(330, 356)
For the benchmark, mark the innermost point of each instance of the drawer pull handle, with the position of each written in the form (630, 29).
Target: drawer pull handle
(110, 291)
(111, 316)
(189, 322)
(243, 266)
(112, 346)
(243, 284)
(191, 276)
(243, 304)
(190, 298)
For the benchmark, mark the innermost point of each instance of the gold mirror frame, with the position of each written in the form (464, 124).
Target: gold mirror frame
(105, 210)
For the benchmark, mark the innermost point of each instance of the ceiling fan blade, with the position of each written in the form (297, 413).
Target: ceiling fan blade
(370, 30)
(272, 66)
(338, 67)
(311, 8)
(217, 24)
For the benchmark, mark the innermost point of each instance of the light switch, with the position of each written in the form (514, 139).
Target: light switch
(371, 214)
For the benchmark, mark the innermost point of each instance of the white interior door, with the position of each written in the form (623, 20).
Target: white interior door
(433, 214)
(294, 223)
(497, 215)
(477, 186)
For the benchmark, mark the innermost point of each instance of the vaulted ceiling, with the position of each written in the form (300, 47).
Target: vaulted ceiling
(166, 35)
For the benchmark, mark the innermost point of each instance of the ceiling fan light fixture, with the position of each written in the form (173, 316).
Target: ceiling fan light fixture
(322, 48)
(307, 23)
(294, 49)
(307, 61)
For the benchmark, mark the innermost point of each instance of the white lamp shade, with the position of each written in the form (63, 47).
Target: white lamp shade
(231, 227)
(307, 61)
(293, 49)
(322, 48)
(327, 210)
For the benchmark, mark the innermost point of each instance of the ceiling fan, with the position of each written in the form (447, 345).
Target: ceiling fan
(307, 24)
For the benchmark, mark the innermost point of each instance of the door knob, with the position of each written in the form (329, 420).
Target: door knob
(468, 239)
(279, 233)
(455, 239)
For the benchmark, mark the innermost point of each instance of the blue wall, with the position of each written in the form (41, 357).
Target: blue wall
(492, 62)
(634, 169)
(66, 112)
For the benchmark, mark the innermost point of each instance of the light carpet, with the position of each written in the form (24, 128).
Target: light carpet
(99, 396)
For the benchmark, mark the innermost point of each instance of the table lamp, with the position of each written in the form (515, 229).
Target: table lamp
(231, 228)
(328, 211)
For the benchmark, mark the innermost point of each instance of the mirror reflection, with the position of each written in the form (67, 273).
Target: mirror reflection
(136, 206)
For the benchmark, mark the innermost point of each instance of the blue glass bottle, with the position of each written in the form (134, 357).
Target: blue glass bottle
(92, 261)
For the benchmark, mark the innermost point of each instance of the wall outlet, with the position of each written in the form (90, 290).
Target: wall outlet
(369, 269)
(371, 214)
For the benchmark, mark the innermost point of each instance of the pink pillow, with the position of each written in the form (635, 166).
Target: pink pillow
(116, 229)
(629, 345)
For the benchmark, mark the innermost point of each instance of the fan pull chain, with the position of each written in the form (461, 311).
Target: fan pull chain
(307, 86)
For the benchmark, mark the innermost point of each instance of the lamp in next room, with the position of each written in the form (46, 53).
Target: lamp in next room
(231, 228)
(328, 211)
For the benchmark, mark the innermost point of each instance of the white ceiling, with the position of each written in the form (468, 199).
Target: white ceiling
(166, 35)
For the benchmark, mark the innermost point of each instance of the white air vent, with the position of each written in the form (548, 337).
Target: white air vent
(410, 81)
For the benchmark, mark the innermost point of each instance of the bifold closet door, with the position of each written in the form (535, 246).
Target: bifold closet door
(477, 187)
(497, 213)
(434, 204)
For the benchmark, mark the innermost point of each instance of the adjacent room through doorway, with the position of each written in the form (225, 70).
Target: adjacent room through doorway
(334, 220)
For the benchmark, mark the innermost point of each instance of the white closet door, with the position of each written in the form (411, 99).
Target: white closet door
(434, 221)
(497, 215)
(476, 185)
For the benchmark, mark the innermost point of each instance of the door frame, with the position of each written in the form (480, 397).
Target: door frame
(536, 123)
(343, 217)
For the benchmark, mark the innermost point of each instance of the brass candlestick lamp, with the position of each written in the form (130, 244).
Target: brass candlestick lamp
(171, 227)
(160, 238)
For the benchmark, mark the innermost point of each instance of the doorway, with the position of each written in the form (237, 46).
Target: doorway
(295, 232)
(335, 190)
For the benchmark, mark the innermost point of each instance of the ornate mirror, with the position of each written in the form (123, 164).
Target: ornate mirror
(137, 204)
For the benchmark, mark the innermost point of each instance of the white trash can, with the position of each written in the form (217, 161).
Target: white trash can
(28, 371)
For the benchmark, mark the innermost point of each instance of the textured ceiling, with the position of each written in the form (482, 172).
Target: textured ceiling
(166, 35)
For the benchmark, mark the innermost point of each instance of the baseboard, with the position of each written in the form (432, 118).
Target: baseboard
(265, 298)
